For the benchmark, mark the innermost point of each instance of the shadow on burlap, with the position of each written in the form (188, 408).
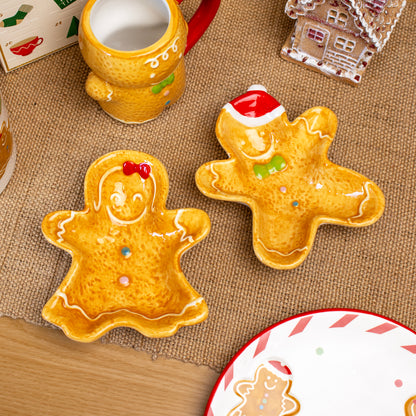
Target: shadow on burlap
(60, 131)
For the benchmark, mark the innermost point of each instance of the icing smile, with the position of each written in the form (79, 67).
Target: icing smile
(269, 388)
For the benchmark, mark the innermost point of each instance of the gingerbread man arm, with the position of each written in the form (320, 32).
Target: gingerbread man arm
(193, 225)
(318, 122)
(98, 89)
(53, 227)
(220, 180)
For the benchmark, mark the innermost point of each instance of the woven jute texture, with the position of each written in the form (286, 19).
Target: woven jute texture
(60, 131)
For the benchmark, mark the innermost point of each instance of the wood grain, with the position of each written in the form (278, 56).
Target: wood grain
(44, 373)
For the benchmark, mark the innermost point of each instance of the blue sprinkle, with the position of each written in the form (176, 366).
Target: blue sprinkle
(167, 102)
(125, 251)
(295, 203)
(261, 407)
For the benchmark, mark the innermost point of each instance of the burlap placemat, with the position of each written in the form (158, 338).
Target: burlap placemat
(60, 131)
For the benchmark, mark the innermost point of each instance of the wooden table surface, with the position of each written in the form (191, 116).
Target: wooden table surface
(45, 373)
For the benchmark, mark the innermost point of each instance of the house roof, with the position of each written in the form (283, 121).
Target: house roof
(374, 18)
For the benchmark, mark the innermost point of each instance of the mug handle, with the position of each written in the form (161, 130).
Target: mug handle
(200, 21)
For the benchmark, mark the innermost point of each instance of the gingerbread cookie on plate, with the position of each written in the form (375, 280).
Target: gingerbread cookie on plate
(126, 248)
(280, 169)
(410, 407)
(268, 394)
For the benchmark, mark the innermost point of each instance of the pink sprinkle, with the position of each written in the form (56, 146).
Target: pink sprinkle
(283, 189)
(166, 93)
(124, 280)
(398, 383)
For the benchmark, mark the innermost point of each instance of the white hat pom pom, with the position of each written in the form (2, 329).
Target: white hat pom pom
(257, 87)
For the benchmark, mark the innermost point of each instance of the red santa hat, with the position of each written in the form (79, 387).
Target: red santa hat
(255, 108)
(279, 368)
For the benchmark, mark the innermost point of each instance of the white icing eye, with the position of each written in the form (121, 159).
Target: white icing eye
(275, 380)
(268, 377)
(118, 197)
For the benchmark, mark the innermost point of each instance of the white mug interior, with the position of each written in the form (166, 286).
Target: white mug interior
(129, 25)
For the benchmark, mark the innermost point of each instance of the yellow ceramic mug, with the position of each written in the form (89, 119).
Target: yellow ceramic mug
(136, 50)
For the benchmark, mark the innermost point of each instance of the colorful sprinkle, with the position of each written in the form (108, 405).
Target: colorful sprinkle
(283, 189)
(167, 102)
(398, 383)
(264, 401)
(166, 93)
(295, 203)
(124, 280)
(261, 407)
(266, 395)
(126, 252)
(319, 351)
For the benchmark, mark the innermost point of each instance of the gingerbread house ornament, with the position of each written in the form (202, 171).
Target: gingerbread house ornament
(339, 37)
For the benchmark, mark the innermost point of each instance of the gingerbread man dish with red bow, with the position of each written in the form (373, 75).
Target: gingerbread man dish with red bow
(126, 249)
(280, 169)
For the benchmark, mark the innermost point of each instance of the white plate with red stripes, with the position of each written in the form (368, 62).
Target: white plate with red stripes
(337, 362)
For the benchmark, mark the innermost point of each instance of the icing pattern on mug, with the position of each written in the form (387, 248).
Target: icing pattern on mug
(154, 62)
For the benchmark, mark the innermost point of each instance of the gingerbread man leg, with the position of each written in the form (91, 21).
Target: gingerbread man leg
(282, 245)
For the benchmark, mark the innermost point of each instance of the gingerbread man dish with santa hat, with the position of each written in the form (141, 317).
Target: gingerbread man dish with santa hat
(280, 169)
(126, 248)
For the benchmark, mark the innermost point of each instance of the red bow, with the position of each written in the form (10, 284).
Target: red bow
(143, 169)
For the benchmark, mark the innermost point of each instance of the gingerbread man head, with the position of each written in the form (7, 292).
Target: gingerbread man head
(128, 185)
(246, 127)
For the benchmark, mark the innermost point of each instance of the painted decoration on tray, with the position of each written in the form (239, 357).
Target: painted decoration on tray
(73, 27)
(339, 37)
(27, 46)
(17, 18)
(126, 249)
(30, 31)
(280, 169)
(64, 3)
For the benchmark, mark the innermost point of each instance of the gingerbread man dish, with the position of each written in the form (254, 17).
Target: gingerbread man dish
(126, 249)
(280, 169)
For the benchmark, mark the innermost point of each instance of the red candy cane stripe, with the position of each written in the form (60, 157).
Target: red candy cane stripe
(410, 348)
(229, 375)
(262, 344)
(344, 321)
(382, 329)
(300, 326)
